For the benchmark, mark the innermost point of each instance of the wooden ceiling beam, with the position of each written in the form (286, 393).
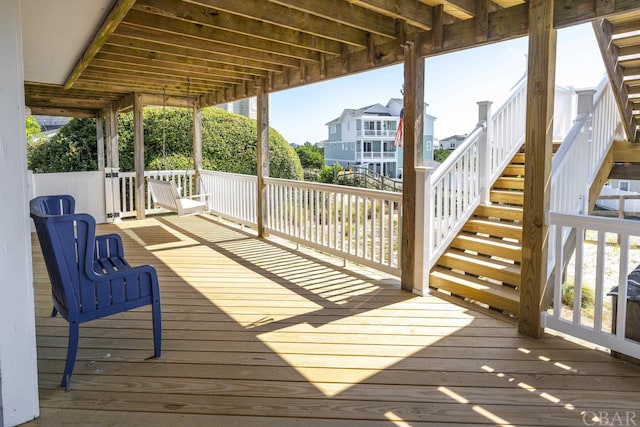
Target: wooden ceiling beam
(62, 102)
(182, 41)
(139, 56)
(170, 89)
(155, 69)
(243, 65)
(414, 13)
(173, 65)
(236, 25)
(106, 76)
(170, 27)
(110, 23)
(63, 112)
(344, 13)
(289, 18)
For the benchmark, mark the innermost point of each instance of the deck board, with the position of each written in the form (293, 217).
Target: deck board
(258, 333)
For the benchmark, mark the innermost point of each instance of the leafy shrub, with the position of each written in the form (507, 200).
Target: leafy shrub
(228, 144)
(311, 156)
(328, 174)
(588, 296)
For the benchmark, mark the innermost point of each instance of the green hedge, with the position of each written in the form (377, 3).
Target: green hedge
(228, 144)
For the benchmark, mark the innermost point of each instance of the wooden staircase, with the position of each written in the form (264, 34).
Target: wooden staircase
(620, 45)
(482, 264)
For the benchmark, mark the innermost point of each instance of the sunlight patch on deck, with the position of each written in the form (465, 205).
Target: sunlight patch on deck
(352, 367)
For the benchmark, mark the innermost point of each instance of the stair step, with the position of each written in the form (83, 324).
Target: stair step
(518, 158)
(513, 170)
(499, 211)
(509, 182)
(494, 228)
(488, 246)
(481, 266)
(511, 197)
(497, 296)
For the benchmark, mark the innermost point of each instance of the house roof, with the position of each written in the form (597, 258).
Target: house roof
(82, 56)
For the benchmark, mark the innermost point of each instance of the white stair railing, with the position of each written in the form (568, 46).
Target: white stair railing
(577, 162)
(462, 182)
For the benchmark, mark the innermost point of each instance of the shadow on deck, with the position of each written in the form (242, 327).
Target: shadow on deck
(256, 333)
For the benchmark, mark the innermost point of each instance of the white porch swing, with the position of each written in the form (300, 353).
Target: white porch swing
(165, 193)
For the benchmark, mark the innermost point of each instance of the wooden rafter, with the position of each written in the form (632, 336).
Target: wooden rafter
(117, 13)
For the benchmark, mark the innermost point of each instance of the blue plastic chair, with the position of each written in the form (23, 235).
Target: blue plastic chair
(89, 275)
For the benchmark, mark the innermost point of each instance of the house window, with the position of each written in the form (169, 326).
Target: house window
(367, 146)
(623, 185)
(452, 146)
(358, 124)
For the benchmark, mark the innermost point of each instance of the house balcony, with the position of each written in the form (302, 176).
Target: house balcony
(367, 156)
(257, 332)
(376, 133)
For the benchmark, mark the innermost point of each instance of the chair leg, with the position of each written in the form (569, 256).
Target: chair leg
(54, 312)
(157, 328)
(72, 350)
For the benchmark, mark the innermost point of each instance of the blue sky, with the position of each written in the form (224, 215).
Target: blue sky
(454, 83)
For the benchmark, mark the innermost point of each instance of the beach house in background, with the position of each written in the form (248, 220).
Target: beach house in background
(245, 107)
(452, 142)
(366, 137)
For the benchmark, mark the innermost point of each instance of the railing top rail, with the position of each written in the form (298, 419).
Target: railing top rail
(229, 174)
(365, 192)
(590, 222)
(601, 89)
(458, 152)
(515, 89)
(566, 143)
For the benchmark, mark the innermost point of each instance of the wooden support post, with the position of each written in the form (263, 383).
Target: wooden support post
(113, 158)
(197, 146)
(413, 130)
(263, 157)
(538, 148)
(100, 140)
(138, 154)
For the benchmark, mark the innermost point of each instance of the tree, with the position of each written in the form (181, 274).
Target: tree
(228, 144)
(440, 154)
(32, 126)
(71, 149)
(311, 156)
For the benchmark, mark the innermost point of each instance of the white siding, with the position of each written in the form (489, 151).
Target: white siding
(18, 362)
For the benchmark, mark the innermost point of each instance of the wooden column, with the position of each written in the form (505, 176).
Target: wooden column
(538, 149)
(197, 145)
(412, 147)
(138, 154)
(263, 157)
(100, 140)
(113, 158)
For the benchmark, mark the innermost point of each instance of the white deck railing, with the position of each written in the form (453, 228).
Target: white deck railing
(602, 270)
(359, 225)
(233, 196)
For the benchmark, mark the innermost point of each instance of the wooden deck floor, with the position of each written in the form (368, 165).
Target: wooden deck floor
(259, 334)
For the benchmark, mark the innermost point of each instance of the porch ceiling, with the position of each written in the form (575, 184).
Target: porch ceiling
(222, 50)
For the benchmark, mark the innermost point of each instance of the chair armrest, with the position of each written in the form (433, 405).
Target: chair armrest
(108, 246)
(129, 272)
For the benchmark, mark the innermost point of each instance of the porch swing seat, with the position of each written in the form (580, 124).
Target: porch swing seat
(165, 194)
